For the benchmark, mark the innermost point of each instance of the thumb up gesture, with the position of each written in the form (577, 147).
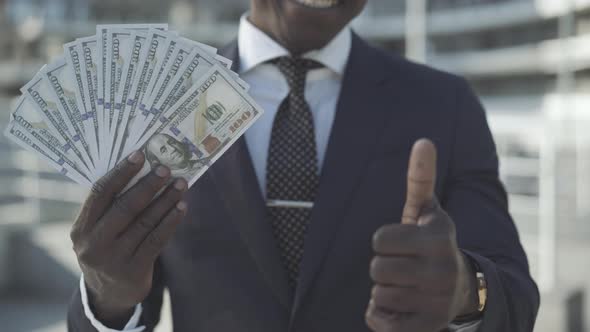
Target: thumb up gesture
(422, 281)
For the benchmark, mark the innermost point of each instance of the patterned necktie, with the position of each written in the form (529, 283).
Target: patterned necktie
(292, 166)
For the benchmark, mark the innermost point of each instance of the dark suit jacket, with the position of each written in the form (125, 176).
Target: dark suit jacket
(222, 268)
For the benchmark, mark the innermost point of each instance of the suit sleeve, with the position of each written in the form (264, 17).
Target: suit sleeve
(79, 321)
(476, 200)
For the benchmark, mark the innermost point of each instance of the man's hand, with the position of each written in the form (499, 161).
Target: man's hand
(118, 238)
(422, 281)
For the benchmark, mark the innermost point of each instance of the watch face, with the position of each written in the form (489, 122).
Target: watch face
(482, 291)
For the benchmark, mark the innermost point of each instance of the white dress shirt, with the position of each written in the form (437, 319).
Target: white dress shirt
(268, 87)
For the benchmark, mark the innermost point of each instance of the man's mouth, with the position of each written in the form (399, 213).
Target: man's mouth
(321, 4)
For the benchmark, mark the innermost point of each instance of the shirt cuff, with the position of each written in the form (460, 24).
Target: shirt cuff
(465, 327)
(131, 326)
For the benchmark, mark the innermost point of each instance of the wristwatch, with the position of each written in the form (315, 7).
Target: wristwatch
(482, 295)
(482, 291)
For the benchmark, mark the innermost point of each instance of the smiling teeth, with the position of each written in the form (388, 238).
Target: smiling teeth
(319, 3)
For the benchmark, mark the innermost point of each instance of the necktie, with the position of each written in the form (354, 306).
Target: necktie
(292, 166)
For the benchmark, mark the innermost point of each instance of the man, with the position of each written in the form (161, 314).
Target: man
(315, 221)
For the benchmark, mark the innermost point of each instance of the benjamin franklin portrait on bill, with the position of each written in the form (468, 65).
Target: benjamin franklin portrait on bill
(163, 149)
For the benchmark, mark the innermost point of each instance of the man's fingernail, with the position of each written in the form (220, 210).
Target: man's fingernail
(181, 206)
(180, 185)
(162, 171)
(135, 157)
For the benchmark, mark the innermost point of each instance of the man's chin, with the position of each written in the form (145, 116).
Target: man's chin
(316, 22)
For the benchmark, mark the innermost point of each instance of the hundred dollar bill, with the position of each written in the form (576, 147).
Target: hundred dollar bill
(207, 120)
(196, 64)
(131, 61)
(212, 51)
(41, 94)
(73, 56)
(170, 67)
(60, 76)
(101, 67)
(29, 130)
(88, 66)
(179, 51)
(116, 38)
(179, 55)
(19, 135)
(164, 66)
(101, 35)
(142, 113)
(149, 58)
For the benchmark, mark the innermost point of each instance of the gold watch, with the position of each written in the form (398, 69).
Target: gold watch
(482, 291)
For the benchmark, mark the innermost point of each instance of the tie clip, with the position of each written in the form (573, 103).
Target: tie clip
(289, 204)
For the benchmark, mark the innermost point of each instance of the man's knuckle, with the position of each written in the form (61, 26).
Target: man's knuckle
(144, 224)
(86, 255)
(379, 237)
(75, 235)
(155, 240)
(446, 225)
(171, 197)
(153, 182)
(385, 297)
(127, 250)
(374, 269)
(123, 207)
(98, 187)
(120, 167)
(438, 245)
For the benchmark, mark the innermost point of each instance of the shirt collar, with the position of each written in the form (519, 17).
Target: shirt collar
(256, 48)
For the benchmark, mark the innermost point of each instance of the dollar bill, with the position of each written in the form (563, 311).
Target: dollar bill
(212, 51)
(101, 67)
(30, 131)
(117, 41)
(130, 61)
(179, 55)
(198, 129)
(195, 65)
(101, 34)
(60, 76)
(41, 94)
(149, 58)
(191, 70)
(179, 52)
(133, 87)
(73, 57)
(169, 49)
(116, 38)
(88, 66)
(106, 91)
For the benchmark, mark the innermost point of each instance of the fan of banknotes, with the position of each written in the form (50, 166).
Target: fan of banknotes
(128, 88)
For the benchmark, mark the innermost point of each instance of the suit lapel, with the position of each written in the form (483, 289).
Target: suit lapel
(236, 181)
(359, 120)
